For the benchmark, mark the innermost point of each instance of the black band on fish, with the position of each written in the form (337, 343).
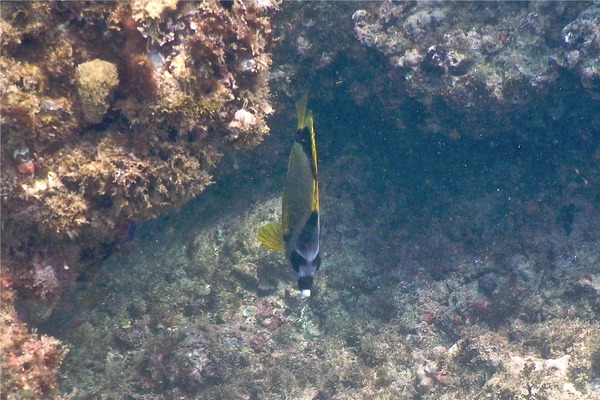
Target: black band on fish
(304, 138)
(305, 282)
(297, 261)
(310, 234)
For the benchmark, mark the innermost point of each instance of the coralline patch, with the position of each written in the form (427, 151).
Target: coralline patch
(30, 361)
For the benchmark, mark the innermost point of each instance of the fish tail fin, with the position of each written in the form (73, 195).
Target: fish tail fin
(271, 235)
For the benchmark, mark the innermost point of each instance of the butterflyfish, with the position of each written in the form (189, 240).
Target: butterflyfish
(298, 232)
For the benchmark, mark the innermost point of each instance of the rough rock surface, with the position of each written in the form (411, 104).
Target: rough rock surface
(112, 114)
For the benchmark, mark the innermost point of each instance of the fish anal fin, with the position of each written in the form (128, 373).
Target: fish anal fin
(271, 235)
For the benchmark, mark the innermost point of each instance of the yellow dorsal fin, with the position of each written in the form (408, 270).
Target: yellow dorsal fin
(301, 112)
(313, 145)
(315, 205)
(305, 120)
(271, 235)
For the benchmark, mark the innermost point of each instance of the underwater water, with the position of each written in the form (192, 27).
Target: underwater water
(460, 256)
(450, 269)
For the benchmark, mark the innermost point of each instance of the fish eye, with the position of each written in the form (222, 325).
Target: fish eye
(297, 261)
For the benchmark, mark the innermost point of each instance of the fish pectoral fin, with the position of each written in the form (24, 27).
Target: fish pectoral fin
(271, 235)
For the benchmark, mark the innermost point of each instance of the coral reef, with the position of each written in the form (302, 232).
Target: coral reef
(150, 148)
(480, 59)
(29, 361)
(113, 113)
(458, 172)
(206, 311)
(474, 62)
(460, 68)
(580, 38)
(426, 291)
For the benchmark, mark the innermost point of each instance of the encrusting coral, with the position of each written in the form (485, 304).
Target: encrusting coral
(113, 113)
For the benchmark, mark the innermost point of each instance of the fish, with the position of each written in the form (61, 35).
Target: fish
(299, 231)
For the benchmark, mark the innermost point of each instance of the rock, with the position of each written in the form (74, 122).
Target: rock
(96, 81)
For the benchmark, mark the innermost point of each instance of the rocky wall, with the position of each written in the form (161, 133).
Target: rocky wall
(113, 113)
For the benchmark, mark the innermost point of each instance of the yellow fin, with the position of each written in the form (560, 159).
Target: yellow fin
(315, 205)
(313, 144)
(271, 235)
(303, 116)
(305, 120)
